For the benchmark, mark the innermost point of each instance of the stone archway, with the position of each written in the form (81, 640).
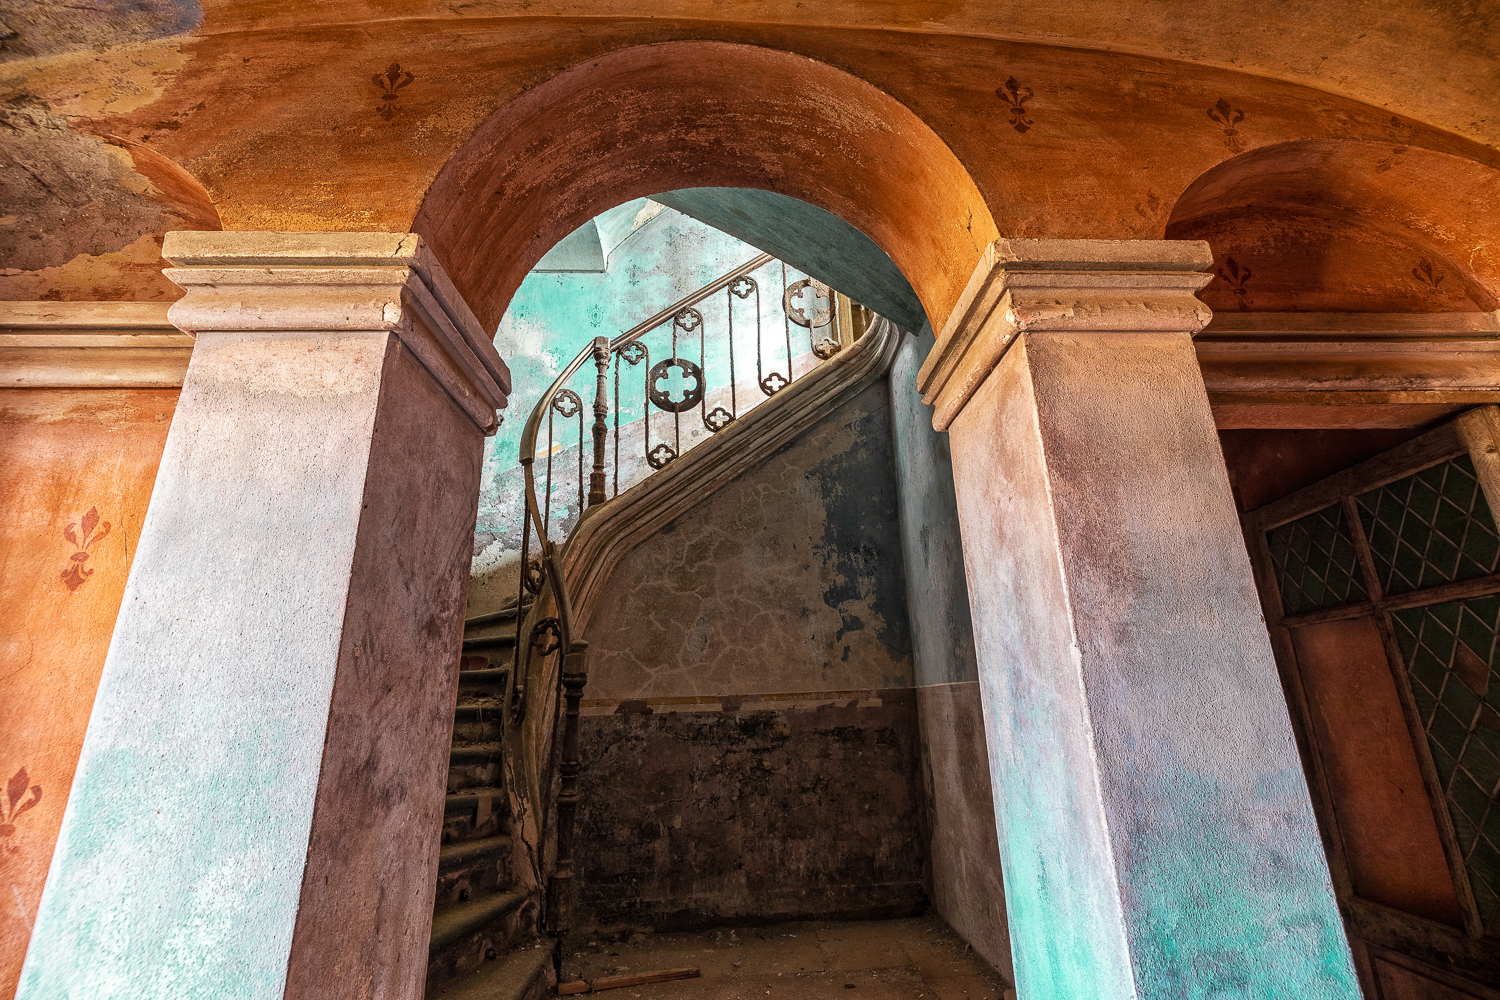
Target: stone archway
(701, 114)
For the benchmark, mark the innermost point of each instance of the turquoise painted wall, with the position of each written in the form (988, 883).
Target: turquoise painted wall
(655, 256)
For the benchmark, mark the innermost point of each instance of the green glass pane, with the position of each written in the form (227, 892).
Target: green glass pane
(1315, 562)
(1430, 528)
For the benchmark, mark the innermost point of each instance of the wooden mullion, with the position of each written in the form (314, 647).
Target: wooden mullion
(1362, 553)
(1420, 453)
(1435, 794)
(1284, 652)
(1360, 609)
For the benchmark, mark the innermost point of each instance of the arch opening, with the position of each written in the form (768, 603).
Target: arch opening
(701, 114)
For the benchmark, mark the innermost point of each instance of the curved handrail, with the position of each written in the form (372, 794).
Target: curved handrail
(534, 422)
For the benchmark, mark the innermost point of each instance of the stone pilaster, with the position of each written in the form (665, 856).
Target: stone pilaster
(257, 805)
(1154, 823)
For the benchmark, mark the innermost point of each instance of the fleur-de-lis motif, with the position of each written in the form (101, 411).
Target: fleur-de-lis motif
(16, 789)
(1230, 118)
(391, 83)
(1015, 95)
(1236, 277)
(1390, 161)
(84, 535)
(1428, 276)
(1150, 208)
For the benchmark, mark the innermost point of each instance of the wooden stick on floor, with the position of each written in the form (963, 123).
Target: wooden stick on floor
(630, 979)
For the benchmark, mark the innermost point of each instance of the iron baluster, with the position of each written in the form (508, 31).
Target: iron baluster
(601, 421)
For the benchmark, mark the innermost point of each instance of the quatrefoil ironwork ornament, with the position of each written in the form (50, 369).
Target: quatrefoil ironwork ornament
(827, 348)
(773, 383)
(820, 299)
(633, 352)
(689, 382)
(567, 403)
(742, 287)
(718, 418)
(546, 636)
(661, 456)
(688, 319)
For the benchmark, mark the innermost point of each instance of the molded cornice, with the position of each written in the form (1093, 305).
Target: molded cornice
(336, 282)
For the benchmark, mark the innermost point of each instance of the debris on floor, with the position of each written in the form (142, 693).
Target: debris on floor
(914, 959)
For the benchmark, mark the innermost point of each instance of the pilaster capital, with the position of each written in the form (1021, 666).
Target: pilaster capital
(1107, 287)
(340, 282)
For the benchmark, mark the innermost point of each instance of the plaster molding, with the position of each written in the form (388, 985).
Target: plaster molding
(1347, 369)
(340, 282)
(91, 345)
(1115, 287)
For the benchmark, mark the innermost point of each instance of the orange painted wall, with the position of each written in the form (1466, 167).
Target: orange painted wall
(64, 453)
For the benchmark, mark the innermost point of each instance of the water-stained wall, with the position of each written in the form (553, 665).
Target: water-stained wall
(750, 738)
(967, 887)
(76, 472)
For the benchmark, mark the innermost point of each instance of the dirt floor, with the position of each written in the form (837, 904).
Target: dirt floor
(917, 959)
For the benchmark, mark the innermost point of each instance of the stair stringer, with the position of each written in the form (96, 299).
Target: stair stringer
(607, 533)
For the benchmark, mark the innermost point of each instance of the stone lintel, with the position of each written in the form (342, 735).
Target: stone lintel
(91, 345)
(1061, 286)
(340, 282)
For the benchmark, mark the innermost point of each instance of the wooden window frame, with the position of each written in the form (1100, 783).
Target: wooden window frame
(1384, 930)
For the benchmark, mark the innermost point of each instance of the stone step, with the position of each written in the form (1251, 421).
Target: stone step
(492, 677)
(464, 803)
(523, 974)
(471, 869)
(461, 819)
(500, 640)
(469, 754)
(453, 923)
(468, 853)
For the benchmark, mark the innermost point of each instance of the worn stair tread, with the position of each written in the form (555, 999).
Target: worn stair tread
(451, 923)
(476, 753)
(483, 678)
(505, 614)
(501, 641)
(451, 856)
(510, 977)
(479, 713)
(458, 803)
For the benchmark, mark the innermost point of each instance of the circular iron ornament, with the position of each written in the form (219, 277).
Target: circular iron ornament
(773, 383)
(718, 418)
(546, 636)
(662, 398)
(688, 319)
(743, 286)
(800, 316)
(633, 352)
(827, 348)
(567, 402)
(661, 456)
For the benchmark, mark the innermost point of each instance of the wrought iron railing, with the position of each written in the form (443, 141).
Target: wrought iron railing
(676, 389)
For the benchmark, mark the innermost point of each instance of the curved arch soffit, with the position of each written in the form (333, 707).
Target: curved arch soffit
(1435, 202)
(701, 114)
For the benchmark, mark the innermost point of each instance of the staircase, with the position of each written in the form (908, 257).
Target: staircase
(507, 838)
(483, 945)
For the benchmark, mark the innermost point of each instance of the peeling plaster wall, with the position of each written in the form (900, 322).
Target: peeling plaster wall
(750, 738)
(967, 887)
(554, 315)
(76, 473)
